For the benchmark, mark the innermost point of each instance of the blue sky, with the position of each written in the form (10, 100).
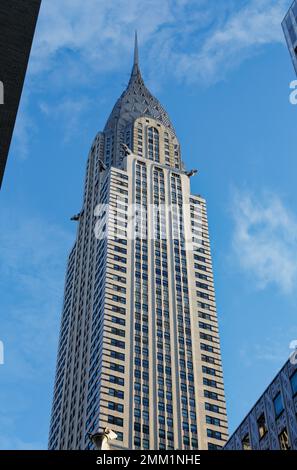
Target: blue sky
(222, 71)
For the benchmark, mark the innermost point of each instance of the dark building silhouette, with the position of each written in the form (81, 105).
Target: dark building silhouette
(17, 25)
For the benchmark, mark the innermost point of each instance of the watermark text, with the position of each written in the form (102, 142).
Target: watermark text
(293, 94)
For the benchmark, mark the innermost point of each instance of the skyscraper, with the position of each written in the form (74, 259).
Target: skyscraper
(289, 26)
(139, 348)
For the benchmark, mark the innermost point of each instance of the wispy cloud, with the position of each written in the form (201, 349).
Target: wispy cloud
(98, 33)
(242, 34)
(265, 239)
(192, 41)
(198, 42)
(69, 111)
(270, 350)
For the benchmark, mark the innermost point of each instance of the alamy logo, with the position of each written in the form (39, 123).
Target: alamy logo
(1, 92)
(1, 353)
(293, 94)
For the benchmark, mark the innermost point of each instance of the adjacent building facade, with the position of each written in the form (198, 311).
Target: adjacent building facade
(289, 26)
(139, 348)
(272, 422)
(18, 20)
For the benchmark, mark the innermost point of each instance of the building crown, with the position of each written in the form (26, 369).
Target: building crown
(136, 101)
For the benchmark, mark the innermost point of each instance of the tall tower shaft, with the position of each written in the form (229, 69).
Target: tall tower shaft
(139, 348)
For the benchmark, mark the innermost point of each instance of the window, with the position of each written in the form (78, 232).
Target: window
(208, 370)
(117, 331)
(209, 382)
(119, 436)
(117, 367)
(115, 420)
(153, 144)
(212, 420)
(261, 421)
(212, 446)
(186, 441)
(212, 395)
(116, 393)
(116, 380)
(278, 405)
(214, 434)
(205, 326)
(117, 355)
(119, 321)
(211, 407)
(246, 442)
(117, 344)
(115, 406)
(145, 444)
(283, 438)
(293, 381)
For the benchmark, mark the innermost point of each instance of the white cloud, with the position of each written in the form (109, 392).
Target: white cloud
(97, 31)
(76, 41)
(243, 33)
(265, 240)
(192, 41)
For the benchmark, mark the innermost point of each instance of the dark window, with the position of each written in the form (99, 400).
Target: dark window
(211, 407)
(212, 446)
(119, 436)
(278, 405)
(212, 420)
(116, 406)
(214, 434)
(212, 395)
(116, 393)
(115, 420)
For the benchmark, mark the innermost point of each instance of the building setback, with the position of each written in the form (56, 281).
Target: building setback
(289, 25)
(272, 422)
(139, 348)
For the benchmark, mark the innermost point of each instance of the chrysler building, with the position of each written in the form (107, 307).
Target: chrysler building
(139, 349)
